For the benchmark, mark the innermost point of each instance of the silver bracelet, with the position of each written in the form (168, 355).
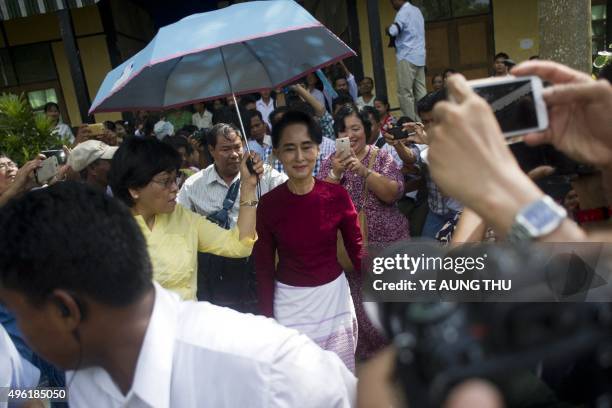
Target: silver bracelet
(333, 176)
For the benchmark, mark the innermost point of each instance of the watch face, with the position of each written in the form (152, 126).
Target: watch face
(540, 218)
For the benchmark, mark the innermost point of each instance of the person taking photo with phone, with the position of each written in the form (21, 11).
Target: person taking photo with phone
(15, 181)
(375, 183)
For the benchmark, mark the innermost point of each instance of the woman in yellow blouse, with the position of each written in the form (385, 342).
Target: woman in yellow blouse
(143, 175)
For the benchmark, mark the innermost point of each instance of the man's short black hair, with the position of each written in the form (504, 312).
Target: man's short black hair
(49, 105)
(249, 116)
(303, 107)
(73, 237)
(427, 103)
(247, 99)
(276, 112)
(383, 100)
(501, 55)
(370, 110)
(227, 114)
(177, 141)
(349, 110)
(220, 129)
(109, 125)
(343, 98)
(296, 117)
(448, 71)
(338, 78)
(135, 164)
(403, 119)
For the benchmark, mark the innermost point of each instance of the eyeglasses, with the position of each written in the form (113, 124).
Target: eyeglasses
(7, 165)
(167, 183)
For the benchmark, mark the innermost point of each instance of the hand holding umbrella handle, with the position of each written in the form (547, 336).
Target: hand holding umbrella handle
(249, 163)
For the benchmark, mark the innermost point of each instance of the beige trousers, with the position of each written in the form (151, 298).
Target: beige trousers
(410, 87)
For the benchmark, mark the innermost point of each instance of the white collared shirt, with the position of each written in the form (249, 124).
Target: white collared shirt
(255, 147)
(195, 354)
(361, 102)
(64, 132)
(15, 371)
(205, 191)
(202, 121)
(266, 109)
(410, 38)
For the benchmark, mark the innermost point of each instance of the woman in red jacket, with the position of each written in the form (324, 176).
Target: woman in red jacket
(299, 221)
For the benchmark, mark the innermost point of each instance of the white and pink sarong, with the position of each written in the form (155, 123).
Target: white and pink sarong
(324, 313)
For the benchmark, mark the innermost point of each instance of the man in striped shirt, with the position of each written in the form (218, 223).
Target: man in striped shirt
(224, 281)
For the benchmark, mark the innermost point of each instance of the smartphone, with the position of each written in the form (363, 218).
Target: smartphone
(398, 133)
(48, 170)
(59, 153)
(516, 101)
(343, 147)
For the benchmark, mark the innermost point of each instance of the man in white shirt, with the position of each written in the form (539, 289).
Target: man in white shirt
(202, 118)
(256, 130)
(266, 106)
(224, 281)
(15, 371)
(88, 303)
(366, 97)
(408, 30)
(205, 191)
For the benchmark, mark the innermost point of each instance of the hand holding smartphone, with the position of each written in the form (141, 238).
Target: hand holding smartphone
(517, 103)
(343, 147)
(48, 169)
(398, 133)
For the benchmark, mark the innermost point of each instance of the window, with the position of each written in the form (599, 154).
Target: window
(598, 24)
(446, 9)
(7, 74)
(38, 99)
(470, 7)
(34, 63)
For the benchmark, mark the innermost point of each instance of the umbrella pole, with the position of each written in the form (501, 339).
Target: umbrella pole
(246, 142)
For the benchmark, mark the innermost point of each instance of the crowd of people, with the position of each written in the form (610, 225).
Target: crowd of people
(177, 206)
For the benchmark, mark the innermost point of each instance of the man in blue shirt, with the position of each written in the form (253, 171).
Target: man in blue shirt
(408, 30)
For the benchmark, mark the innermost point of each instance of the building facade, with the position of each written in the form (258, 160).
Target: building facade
(61, 50)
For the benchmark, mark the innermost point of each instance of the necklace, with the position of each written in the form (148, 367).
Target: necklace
(294, 190)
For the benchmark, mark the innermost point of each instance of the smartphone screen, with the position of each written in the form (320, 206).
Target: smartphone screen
(513, 104)
(343, 146)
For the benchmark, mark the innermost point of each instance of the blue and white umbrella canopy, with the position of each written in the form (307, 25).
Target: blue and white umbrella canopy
(255, 45)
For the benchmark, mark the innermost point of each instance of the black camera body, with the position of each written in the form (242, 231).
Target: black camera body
(441, 344)
(59, 153)
(445, 341)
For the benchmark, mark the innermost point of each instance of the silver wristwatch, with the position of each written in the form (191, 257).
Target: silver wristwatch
(536, 220)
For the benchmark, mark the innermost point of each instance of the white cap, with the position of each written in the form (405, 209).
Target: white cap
(88, 152)
(163, 129)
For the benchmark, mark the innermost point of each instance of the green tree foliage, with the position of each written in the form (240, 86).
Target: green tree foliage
(22, 134)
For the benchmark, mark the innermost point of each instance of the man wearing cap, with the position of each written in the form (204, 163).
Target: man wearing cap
(92, 160)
